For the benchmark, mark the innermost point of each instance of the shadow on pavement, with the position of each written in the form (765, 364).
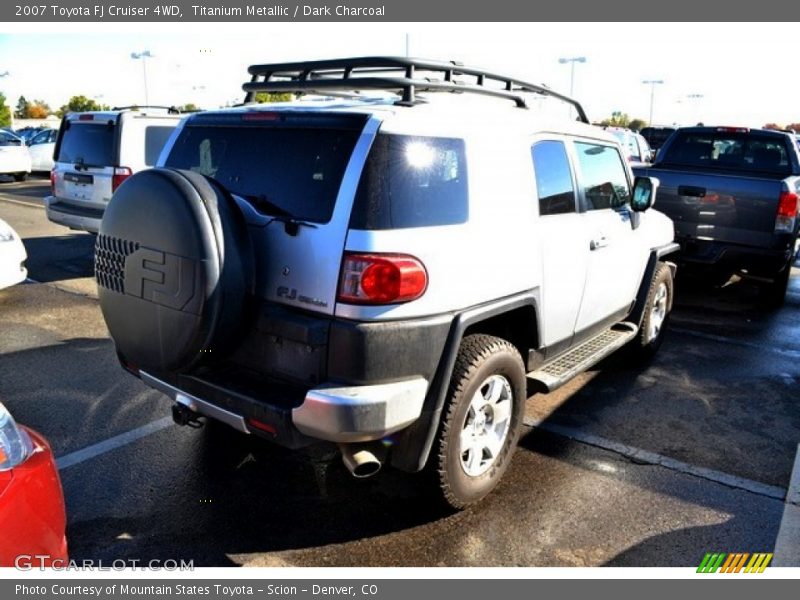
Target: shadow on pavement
(57, 258)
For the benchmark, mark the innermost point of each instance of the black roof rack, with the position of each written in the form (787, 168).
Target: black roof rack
(405, 75)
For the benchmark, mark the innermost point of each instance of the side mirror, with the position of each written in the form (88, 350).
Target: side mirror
(644, 193)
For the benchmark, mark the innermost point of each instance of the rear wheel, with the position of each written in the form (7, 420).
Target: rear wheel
(482, 419)
(20, 176)
(774, 292)
(656, 313)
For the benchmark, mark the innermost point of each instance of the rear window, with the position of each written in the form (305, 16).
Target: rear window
(6, 139)
(412, 181)
(740, 151)
(656, 136)
(284, 171)
(91, 144)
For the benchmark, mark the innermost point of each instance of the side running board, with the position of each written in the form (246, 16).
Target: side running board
(560, 370)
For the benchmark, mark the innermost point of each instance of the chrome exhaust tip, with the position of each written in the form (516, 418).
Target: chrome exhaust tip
(360, 460)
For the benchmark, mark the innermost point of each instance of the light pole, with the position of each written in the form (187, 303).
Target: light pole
(652, 83)
(572, 61)
(694, 96)
(144, 55)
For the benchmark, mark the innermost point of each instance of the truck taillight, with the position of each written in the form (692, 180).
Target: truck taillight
(120, 175)
(53, 182)
(787, 212)
(381, 278)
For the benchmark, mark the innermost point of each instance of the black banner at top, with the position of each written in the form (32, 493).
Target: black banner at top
(196, 11)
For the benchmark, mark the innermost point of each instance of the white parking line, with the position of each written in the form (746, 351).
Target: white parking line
(787, 544)
(28, 204)
(118, 441)
(726, 340)
(652, 458)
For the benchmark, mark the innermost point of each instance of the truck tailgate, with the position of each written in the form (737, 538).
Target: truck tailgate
(718, 206)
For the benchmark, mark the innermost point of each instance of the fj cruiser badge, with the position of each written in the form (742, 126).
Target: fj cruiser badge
(163, 278)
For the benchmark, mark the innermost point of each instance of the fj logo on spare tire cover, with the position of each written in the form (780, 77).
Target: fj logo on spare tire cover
(163, 278)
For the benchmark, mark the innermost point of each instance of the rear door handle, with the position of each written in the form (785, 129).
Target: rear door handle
(598, 243)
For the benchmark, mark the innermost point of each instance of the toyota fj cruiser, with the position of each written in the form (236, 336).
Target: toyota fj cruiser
(389, 263)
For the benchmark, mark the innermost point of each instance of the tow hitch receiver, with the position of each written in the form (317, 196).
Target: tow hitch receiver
(183, 415)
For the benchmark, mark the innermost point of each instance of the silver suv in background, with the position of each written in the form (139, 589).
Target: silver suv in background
(95, 152)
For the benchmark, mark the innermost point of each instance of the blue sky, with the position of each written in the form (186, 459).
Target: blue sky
(739, 69)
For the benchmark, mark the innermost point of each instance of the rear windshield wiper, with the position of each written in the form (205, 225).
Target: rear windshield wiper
(291, 224)
(82, 165)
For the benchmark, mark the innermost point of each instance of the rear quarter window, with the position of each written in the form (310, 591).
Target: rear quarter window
(88, 143)
(412, 181)
(155, 136)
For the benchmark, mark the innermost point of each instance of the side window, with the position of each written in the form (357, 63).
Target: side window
(412, 182)
(603, 178)
(155, 136)
(553, 178)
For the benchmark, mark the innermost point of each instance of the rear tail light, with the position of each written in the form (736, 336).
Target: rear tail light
(787, 212)
(86, 118)
(734, 129)
(381, 279)
(53, 182)
(120, 175)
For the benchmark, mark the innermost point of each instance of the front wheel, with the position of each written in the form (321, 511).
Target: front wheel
(20, 176)
(482, 419)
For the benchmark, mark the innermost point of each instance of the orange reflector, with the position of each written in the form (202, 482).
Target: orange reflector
(262, 426)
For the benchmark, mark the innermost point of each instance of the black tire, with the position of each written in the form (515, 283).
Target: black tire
(20, 176)
(773, 293)
(657, 309)
(483, 361)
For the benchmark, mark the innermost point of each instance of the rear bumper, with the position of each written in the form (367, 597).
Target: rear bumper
(73, 215)
(16, 164)
(330, 412)
(724, 256)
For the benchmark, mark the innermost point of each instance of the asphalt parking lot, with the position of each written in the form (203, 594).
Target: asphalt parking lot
(624, 466)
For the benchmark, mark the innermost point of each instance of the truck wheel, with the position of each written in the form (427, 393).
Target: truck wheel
(482, 421)
(656, 313)
(20, 176)
(774, 293)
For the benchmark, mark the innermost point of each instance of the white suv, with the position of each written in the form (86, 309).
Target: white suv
(95, 152)
(389, 273)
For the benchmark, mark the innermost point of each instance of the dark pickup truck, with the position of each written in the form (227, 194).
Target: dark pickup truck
(733, 194)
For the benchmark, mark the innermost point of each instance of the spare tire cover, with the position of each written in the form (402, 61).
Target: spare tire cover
(173, 268)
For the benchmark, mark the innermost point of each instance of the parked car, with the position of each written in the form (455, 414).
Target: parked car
(395, 276)
(28, 133)
(15, 160)
(95, 152)
(733, 195)
(636, 147)
(32, 514)
(656, 136)
(12, 257)
(41, 147)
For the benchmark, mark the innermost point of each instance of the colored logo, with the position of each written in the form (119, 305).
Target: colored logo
(743, 562)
